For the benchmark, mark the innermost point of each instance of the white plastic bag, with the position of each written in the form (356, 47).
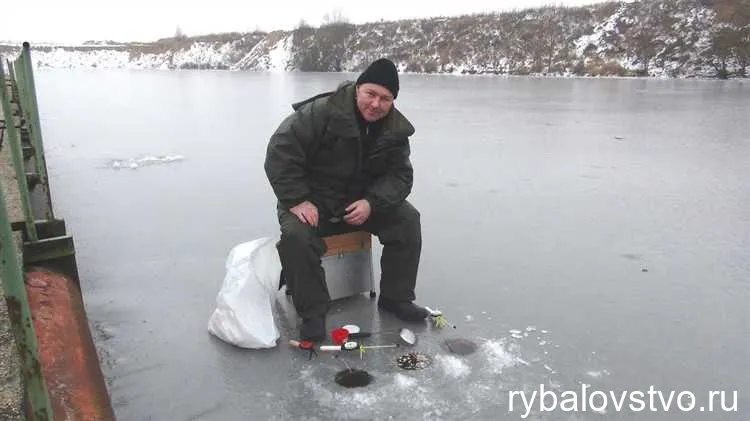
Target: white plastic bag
(244, 305)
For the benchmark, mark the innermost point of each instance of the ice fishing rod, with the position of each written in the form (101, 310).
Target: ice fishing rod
(304, 345)
(438, 318)
(353, 345)
(406, 335)
(346, 346)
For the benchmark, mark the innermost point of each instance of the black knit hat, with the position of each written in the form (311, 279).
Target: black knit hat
(381, 72)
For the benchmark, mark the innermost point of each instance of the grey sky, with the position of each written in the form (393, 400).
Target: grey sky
(147, 20)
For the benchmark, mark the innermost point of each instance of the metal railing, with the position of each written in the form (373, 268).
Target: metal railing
(18, 88)
(25, 90)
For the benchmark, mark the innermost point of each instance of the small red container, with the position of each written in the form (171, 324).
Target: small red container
(339, 335)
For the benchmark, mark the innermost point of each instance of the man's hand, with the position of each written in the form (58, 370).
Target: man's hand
(306, 212)
(358, 212)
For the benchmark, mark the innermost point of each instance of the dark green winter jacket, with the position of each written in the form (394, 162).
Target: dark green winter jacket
(319, 153)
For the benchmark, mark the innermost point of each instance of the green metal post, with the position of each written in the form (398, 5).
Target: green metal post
(20, 317)
(23, 90)
(19, 92)
(36, 126)
(15, 148)
(19, 88)
(11, 72)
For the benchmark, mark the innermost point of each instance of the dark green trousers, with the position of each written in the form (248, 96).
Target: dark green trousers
(301, 248)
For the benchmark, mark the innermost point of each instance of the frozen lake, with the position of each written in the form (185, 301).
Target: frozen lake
(582, 232)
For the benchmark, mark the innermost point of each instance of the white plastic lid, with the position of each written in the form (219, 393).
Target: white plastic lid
(351, 328)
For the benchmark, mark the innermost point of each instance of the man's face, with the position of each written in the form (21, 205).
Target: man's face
(374, 101)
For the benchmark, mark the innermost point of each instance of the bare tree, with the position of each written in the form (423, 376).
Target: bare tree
(551, 35)
(731, 36)
(640, 34)
(742, 51)
(302, 24)
(720, 51)
(334, 17)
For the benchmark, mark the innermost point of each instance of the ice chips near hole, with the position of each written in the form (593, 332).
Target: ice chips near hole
(413, 361)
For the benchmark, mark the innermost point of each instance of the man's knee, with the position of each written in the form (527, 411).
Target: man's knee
(403, 224)
(411, 218)
(296, 234)
(413, 229)
(408, 212)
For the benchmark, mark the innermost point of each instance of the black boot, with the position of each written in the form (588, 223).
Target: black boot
(313, 329)
(404, 310)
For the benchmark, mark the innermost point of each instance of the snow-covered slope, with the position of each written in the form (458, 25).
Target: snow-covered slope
(670, 38)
